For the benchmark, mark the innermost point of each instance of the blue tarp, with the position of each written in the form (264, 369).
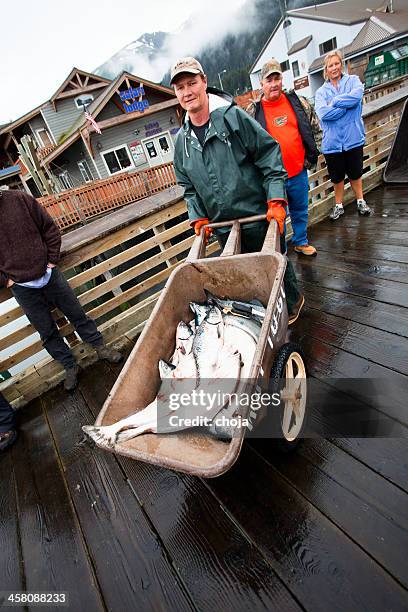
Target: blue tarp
(4, 172)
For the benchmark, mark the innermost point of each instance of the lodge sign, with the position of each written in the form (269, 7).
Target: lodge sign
(132, 94)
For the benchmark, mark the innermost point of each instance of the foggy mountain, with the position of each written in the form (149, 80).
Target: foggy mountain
(227, 39)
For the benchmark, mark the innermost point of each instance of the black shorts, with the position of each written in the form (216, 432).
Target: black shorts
(348, 163)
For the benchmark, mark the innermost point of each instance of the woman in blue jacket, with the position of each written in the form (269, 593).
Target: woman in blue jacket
(338, 104)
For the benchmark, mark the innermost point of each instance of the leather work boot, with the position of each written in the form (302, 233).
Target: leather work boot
(293, 316)
(305, 249)
(71, 378)
(110, 355)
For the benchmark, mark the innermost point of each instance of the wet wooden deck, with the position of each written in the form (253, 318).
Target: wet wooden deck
(323, 529)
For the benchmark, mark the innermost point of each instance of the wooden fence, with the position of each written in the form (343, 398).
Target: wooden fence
(118, 274)
(76, 206)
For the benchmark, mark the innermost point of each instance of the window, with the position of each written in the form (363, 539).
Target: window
(295, 69)
(117, 159)
(65, 180)
(285, 66)
(44, 138)
(84, 170)
(83, 100)
(403, 50)
(327, 46)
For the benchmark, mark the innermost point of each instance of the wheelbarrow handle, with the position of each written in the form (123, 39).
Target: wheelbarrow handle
(252, 219)
(271, 243)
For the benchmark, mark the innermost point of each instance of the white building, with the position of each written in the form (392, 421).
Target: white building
(302, 38)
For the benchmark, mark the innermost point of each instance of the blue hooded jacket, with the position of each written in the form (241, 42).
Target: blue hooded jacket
(339, 111)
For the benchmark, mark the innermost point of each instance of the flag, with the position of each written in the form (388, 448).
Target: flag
(93, 122)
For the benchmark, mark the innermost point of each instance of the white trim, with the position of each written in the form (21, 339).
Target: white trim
(48, 127)
(122, 146)
(40, 140)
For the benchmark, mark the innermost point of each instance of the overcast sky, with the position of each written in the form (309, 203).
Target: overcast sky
(42, 40)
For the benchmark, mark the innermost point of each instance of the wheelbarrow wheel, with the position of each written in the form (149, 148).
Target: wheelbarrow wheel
(288, 378)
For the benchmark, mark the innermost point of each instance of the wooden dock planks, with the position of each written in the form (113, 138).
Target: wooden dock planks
(323, 529)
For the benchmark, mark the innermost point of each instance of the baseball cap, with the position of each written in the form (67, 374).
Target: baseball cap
(186, 64)
(270, 67)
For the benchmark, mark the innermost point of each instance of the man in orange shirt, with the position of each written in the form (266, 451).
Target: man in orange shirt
(292, 122)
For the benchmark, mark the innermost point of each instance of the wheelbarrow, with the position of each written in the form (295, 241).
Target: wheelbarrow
(241, 277)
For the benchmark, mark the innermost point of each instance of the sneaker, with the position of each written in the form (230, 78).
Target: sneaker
(336, 212)
(294, 315)
(71, 378)
(7, 438)
(109, 354)
(362, 208)
(305, 249)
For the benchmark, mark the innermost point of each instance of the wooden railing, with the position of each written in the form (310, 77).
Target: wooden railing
(44, 151)
(379, 91)
(118, 270)
(76, 206)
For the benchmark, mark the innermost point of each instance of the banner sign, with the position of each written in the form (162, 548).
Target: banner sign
(131, 94)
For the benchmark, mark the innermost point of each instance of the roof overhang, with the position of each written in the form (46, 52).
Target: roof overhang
(14, 124)
(363, 50)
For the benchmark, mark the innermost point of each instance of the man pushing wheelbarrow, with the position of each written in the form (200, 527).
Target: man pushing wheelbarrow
(229, 167)
(235, 348)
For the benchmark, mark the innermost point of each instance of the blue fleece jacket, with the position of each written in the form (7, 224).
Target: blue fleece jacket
(339, 111)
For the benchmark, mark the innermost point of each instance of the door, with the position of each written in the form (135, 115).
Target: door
(159, 149)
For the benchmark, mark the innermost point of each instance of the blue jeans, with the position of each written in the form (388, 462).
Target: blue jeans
(37, 305)
(297, 190)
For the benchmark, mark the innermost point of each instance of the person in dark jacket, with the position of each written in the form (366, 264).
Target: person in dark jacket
(291, 121)
(229, 167)
(8, 433)
(30, 245)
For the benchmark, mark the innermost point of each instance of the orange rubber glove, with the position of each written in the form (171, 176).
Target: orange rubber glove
(277, 211)
(198, 224)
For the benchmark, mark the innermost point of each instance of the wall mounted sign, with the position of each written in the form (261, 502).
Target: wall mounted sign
(301, 83)
(378, 60)
(153, 128)
(132, 94)
(138, 154)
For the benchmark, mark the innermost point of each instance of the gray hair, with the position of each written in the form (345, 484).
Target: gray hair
(328, 56)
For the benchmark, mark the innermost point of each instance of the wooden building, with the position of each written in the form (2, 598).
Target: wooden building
(138, 120)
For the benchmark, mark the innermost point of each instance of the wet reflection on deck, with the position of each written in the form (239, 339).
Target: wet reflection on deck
(323, 529)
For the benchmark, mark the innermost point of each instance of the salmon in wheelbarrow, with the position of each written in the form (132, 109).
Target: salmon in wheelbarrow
(238, 277)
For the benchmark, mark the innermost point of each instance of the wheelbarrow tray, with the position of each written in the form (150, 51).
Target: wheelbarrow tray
(240, 277)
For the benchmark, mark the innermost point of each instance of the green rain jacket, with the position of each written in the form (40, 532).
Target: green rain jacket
(238, 169)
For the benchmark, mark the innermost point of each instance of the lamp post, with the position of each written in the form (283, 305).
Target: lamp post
(219, 76)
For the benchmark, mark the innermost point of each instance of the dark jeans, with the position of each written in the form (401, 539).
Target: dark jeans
(37, 305)
(7, 415)
(252, 239)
